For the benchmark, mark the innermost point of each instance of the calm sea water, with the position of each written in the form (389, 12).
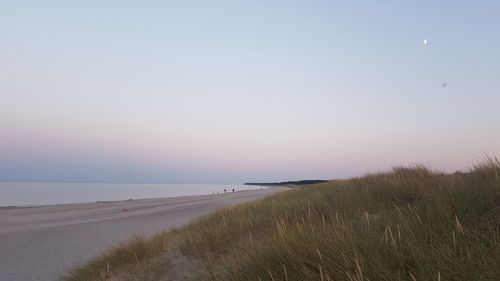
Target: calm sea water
(47, 193)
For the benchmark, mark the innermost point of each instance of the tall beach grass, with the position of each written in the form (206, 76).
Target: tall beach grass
(411, 223)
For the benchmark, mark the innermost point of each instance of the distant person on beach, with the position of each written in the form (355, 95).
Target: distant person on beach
(233, 189)
(224, 190)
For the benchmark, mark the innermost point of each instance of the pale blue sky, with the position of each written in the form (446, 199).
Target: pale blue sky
(234, 91)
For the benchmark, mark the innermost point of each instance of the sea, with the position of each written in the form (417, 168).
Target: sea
(24, 194)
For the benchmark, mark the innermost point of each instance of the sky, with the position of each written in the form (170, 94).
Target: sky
(238, 91)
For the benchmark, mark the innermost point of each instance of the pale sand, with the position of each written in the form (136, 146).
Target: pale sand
(43, 243)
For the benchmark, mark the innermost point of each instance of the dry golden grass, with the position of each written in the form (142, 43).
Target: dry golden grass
(407, 224)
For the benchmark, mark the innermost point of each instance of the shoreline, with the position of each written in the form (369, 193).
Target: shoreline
(16, 207)
(40, 211)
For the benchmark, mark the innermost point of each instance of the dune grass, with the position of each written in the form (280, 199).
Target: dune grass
(411, 223)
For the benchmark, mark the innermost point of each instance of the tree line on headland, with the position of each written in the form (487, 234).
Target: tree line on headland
(286, 183)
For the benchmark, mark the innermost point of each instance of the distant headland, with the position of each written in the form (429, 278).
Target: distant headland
(301, 182)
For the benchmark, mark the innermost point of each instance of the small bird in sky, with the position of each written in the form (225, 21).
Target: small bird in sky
(444, 84)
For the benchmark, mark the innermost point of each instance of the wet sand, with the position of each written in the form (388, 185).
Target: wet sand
(43, 243)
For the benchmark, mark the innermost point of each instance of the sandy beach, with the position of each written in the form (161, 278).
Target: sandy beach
(43, 243)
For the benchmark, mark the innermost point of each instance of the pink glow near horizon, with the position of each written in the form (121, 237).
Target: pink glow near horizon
(168, 93)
